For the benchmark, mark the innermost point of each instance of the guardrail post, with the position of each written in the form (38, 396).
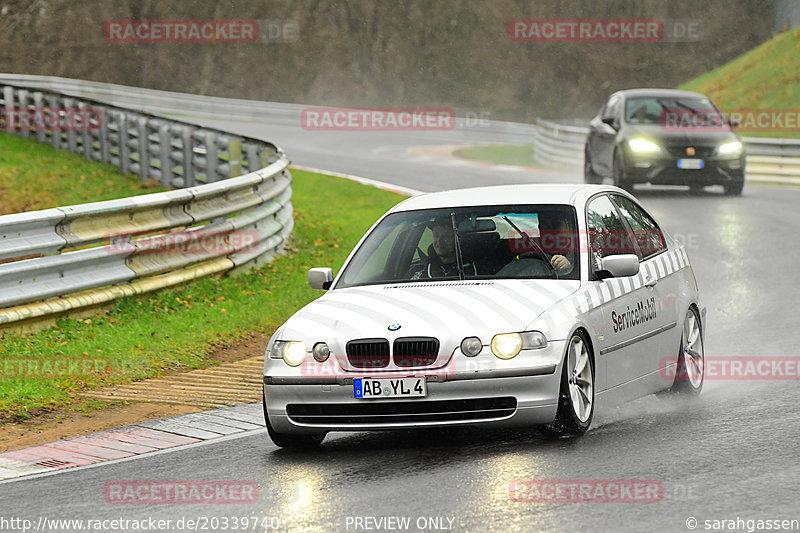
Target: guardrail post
(144, 153)
(124, 149)
(105, 148)
(72, 144)
(234, 158)
(8, 105)
(164, 150)
(188, 155)
(55, 138)
(212, 157)
(22, 97)
(37, 102)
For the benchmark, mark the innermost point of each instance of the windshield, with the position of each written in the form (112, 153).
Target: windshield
(493, 242)
(661, 110)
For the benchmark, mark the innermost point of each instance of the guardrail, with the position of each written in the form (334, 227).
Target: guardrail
(562, 145)
(60, 259)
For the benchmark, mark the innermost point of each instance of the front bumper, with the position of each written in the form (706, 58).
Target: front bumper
(664, 171)
(530, 398)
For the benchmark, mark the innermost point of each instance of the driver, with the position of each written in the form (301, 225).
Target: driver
(556, 240)
(441, 259)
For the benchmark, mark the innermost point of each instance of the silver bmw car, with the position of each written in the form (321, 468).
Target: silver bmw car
(524, 305)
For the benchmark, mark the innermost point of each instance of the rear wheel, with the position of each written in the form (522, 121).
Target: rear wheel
(285, 440)
(576, 397)
(691, 357)
(620, 173)
(589, 175)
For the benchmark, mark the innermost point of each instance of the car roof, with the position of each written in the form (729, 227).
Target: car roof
(668, 93)
(572, 194)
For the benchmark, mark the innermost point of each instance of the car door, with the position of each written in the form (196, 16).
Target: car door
(660, 277)
(629, 346)
(602, 137)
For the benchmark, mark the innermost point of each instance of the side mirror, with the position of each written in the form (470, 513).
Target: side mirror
(611, 121)
(321, 278)
(618, 266)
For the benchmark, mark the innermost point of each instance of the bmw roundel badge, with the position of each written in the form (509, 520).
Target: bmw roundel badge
(394, 327)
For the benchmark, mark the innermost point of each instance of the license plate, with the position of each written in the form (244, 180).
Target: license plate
(371, 389)
(691, 163)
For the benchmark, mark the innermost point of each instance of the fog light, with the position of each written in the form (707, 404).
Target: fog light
(506, 345)
(321, 352)
(471, 346)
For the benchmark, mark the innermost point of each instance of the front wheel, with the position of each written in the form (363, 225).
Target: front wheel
(576, 397)
(620, 173)
(285, 440)
(735, 187)
(589, 175)
(691, 357)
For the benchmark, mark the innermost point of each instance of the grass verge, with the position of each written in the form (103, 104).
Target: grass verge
(149, 335)
(501, 154)
(35, 176)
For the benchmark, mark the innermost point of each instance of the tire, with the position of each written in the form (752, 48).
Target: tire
(620, 179)
(292, 442)
(576, 396)
(589, 175)
(734, 188)
(689, 372)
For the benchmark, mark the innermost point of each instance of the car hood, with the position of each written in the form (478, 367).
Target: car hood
(699, 136)
(448, 311)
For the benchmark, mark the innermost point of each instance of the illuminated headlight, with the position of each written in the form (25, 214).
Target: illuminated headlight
(641, 146)
(729, 148)
(321, 352)
(292, 352)
(471, 346)
(506, 345)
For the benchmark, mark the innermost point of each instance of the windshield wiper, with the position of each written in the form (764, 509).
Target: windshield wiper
(529, 240)
(459, 260)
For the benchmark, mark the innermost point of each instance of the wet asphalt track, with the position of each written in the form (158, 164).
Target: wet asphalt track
(730, 455)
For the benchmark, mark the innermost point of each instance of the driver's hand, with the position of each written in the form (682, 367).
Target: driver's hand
(560, 263)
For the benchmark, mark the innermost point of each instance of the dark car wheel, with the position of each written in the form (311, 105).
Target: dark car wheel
(734, 187)
(589, 175)
(691, 357)
(620, 173)
(576, 397)
(296, 442)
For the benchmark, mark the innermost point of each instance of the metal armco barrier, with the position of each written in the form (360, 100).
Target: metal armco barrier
(562, 145)
(217, 220)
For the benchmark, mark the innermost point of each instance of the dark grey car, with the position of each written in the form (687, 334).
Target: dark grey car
(663, 136)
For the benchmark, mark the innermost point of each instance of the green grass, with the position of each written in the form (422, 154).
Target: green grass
(35, 176)
(764, 78)
(175, 329)
(501, 154)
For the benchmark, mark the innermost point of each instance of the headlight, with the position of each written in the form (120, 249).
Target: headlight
(292, 352)
(506, 345)
(728, 148)
(532, 340)
(641, 146)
